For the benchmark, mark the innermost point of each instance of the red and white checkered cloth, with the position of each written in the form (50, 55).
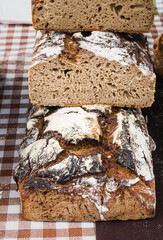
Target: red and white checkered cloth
(16, 46)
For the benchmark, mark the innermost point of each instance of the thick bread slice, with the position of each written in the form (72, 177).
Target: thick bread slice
(88, 163)
(91, 67)
(93, 15)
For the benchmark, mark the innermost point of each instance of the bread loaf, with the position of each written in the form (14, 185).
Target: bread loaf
(158, 54)
(105, 15)
(88, 163)
(91, 67)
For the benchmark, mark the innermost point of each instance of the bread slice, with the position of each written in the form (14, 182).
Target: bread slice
(158, 54)
(91, 67)
(88, 163)
(105, 15)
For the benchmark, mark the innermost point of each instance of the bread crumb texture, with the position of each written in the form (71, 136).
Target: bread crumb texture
(96, 15)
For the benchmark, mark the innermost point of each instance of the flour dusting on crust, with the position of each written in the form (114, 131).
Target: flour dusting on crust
(98, 107)
(111, 46)
(71, 167)
(129, 136)
(48, 45)
(74, 124)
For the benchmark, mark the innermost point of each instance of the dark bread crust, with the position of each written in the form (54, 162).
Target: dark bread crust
(158, 54)
(71, 175)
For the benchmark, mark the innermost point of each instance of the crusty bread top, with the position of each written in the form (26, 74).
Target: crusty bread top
(61, 133)
(128, 49)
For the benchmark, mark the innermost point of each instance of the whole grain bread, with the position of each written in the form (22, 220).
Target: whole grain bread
(88, 163)
(91, 67)
(105, 15)
(158, 54)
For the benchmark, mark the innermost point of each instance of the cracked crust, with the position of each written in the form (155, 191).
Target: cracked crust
(77, 15)
(89, 179)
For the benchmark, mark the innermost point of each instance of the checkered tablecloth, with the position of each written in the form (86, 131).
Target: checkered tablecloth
(16, 46)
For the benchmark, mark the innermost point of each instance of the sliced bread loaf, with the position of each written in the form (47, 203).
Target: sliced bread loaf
(90, 68)
(93, 15)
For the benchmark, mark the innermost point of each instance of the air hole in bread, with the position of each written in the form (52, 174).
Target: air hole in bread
(100, 86)
(99, 9)
(39, 8)
(126, 94)
(46, 25)
(54, 69)
(98, 65)
(136, 6)
(115, 8)
(66, 71)
(67, 89)
(107, 65)
(123, 17)
(111, 86)
(118, 9)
